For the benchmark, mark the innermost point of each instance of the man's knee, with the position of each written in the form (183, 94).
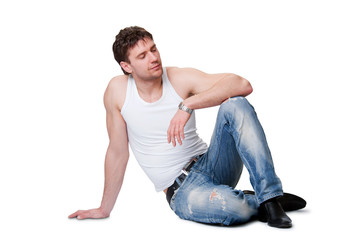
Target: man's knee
(236, 104)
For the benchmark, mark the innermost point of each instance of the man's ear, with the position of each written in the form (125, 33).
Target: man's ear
(126, 67)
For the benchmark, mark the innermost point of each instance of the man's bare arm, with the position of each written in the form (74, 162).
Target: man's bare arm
(116, 157)
(201, 90)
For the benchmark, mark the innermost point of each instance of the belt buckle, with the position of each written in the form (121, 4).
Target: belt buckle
(184, 170)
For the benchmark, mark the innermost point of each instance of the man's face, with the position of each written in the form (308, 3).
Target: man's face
(144, 61)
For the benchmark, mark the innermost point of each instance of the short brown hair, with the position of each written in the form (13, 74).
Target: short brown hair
(126, 39)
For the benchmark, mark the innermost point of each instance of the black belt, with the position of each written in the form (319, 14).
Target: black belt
(180, 178)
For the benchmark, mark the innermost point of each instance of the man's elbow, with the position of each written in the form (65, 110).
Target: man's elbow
(245, 88)
(249, 89)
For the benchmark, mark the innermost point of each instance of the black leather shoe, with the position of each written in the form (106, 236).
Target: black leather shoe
(272, 212)
(288, 201)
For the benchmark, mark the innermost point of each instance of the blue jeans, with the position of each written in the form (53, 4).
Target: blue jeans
(207, 195)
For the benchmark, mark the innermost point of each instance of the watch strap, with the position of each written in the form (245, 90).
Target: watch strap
(184, 108)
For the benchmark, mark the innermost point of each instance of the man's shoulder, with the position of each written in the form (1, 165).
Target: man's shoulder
(183, 80)
(117, 84)
(177, 72)
(116, 90)
(117, 81)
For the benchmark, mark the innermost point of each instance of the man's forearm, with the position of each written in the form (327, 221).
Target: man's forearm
(229, 86)
(114, 170)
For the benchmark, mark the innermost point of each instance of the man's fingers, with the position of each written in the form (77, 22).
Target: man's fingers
(170, 134)
(73, 215)
(78, 214)
(84, 214)
(179, 139)
(182, 132)
(179, 133)
(173, 140)
(175, 133)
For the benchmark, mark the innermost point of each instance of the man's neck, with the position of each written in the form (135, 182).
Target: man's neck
(150, 90)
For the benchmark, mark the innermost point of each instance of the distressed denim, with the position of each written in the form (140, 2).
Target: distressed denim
(207, 195)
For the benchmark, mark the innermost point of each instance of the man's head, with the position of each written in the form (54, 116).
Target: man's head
(135, 51)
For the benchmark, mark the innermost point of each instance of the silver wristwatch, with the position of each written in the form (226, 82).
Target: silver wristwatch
(184, 108)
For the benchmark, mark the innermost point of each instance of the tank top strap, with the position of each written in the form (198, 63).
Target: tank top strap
(129, 93)
(168, 85)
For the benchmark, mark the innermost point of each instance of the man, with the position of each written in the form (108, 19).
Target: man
(151, 108)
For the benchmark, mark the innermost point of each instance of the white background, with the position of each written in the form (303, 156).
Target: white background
(302, 58)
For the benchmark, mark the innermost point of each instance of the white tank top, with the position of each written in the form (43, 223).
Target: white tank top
(147, 125)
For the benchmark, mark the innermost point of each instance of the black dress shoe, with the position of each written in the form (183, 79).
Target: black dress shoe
(288, 201)
(272, 212)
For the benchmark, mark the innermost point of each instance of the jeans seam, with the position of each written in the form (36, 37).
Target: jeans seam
(242, 156)
(218, 151)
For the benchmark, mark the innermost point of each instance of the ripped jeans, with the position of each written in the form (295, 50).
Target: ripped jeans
(207, 195)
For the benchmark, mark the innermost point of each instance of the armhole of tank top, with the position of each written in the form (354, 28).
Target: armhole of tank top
(127, 96)
(170, 86)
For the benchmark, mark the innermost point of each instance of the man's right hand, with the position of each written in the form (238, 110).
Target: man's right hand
(91, 213)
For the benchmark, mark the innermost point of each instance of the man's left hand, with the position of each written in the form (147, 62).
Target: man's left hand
(176, 128)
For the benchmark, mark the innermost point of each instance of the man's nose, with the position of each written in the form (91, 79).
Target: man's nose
(153, 57)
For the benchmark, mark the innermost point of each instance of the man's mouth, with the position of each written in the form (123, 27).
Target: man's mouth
(155, 67)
